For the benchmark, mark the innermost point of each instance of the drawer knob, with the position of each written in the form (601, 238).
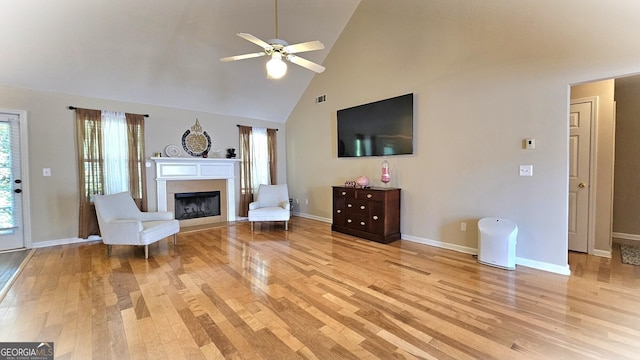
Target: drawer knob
(344, 193)
(339, 211)
(362, 223)
(375, 217)
(369, 196)
(349, 205)
(349, 221)
(362, 207)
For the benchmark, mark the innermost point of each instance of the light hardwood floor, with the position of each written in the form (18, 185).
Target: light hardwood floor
(311, 293)
(10, 264)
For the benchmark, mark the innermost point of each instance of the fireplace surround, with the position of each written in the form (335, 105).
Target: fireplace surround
(181, 175)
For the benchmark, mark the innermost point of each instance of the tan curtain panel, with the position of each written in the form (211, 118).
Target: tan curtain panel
(272, 135)
(246, 182)
(137, 169)
(90, 170)
(91, 173)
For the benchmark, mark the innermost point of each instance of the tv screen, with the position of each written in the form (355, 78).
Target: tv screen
(379, 128)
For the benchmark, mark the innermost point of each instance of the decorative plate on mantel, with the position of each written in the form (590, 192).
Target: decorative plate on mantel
(195, 141)
(172, 151)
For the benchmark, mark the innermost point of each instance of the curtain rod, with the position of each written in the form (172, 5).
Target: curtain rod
(238, 125)
(73, 108)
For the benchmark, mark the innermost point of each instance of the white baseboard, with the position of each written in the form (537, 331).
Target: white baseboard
(48, 243)
(312, 217)
(563, 270)
(602, 253)
(440, 244)
(558, 269)
(619, 235)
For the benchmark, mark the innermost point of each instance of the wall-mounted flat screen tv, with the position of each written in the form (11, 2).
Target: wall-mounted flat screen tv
(380, 128)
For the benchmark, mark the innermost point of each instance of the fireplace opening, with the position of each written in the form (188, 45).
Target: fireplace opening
(193, 205)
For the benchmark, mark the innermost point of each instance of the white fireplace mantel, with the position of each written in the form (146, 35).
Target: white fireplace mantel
(169, 169)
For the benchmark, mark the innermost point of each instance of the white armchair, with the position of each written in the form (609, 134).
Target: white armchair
(271, 204)
(122, 223)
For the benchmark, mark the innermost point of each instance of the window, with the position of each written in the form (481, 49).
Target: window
(260, 158)
(258, 162)
(110, 160)
(6, 184)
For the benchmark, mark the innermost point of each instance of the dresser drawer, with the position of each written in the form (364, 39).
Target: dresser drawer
(357, 221)
(338, 210)
(377, 219)
(356, 206)
(344, 193)
(370, 195)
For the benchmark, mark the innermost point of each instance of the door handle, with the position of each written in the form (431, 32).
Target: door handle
(582, 185)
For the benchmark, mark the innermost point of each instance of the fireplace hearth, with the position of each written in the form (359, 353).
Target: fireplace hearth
(193, 205)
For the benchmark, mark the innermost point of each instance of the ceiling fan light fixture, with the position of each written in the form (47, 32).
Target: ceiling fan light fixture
(276, 68)
(280, 50)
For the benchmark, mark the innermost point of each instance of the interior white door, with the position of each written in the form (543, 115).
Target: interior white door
(11, 220)
(580, 119)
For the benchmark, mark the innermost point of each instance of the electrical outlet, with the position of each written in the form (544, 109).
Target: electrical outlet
(306, 201)
(46, 171)
(297, 202)
(463, 226)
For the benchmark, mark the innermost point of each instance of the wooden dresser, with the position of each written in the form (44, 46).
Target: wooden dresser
(371, 213)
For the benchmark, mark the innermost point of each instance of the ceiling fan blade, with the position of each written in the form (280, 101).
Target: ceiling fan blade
(242, 57)
(255, 40)
(306, 63)
(305, 46)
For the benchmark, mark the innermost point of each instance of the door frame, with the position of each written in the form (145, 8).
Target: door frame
(593, 163)
(24, 170)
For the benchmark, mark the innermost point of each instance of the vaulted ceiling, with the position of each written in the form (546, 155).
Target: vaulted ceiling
(165, 52)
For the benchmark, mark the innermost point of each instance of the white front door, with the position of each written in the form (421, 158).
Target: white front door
(11, 185)
(580, 120)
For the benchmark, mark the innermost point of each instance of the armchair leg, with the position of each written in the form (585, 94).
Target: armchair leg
(286, 226)
(175, 239)
(109, 250)
(251, 222)
(146, 251)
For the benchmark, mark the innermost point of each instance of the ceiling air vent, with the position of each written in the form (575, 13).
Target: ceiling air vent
(321, 99)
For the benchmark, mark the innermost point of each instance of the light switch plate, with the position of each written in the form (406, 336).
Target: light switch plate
(526, 170)
(530, 143)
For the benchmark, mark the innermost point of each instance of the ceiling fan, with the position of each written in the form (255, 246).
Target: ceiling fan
(280, 50)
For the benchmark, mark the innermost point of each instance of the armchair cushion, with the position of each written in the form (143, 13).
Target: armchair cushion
(271, 213)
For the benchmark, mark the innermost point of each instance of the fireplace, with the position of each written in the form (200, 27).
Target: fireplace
(196, 175)
(193, 205)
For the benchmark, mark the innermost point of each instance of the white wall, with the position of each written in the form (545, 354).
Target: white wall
(52, 144)
(485, 75)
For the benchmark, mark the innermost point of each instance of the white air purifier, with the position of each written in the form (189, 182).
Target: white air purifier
(497, 242)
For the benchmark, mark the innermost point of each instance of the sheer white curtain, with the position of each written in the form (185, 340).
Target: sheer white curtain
(260, 159)
(115, 150)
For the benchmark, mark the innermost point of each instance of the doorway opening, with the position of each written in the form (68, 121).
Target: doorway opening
(614, 184)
